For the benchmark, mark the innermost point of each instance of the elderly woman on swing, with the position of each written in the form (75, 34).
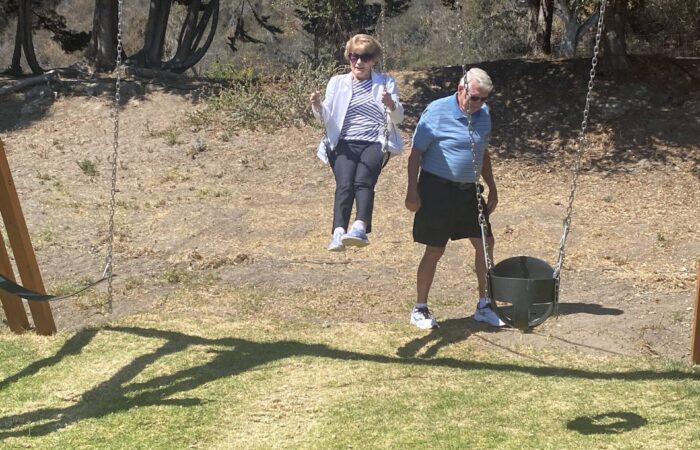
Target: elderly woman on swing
(360, 112)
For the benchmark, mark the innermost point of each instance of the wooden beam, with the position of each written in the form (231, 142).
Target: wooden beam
(695, 342)
(12, 305)
(22, 250)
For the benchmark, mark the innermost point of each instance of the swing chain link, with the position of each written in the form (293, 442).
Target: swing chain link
(462, 40)
(477, 176)
(579, 144)
(108, 272)
(381, 37)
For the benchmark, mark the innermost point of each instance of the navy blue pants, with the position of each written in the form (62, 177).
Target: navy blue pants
(356, 166)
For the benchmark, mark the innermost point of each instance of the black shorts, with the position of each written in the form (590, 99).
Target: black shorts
(448, 210)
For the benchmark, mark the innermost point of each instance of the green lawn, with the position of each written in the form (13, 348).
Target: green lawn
(154, 383)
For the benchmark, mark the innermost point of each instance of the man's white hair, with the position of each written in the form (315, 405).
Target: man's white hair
(480, 76)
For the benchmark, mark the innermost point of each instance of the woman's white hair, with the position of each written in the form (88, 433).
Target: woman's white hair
(480, 76)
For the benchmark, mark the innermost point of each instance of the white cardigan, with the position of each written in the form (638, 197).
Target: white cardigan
(335, 106)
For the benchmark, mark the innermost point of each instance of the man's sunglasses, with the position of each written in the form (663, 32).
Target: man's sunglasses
(354, 57)
(476, 98)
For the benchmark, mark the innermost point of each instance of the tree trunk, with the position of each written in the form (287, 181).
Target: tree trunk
(151, 55)
(572, 30)
(24, 40)
(614, 53)
(189, 51)
(548, 17)
(533, 7)
(567, 46)
(103, 48)
(16, 67)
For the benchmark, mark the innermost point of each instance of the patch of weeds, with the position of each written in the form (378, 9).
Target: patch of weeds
(173, 176)
(132, 283)
(46, 236)
(661, 240)
(177, 276)
(199, 119)
(244, 75)
(42, 153)
(151, 132)
(171, 135)
(65, 287)
(199, 146)
(91, 301)
(43, 176)
(126, 205)
(677, 316)
(88, 167)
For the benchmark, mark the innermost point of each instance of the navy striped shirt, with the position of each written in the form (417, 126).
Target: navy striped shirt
(364, 120)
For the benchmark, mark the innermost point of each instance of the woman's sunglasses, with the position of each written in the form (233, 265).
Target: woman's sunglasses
(354, 57)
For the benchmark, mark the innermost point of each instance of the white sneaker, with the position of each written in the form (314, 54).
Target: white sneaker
(336, 244)
(485, 314)
(355, 238)
(423, 319)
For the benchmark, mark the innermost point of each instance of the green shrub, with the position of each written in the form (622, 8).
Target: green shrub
(276, 101)
(88, 167)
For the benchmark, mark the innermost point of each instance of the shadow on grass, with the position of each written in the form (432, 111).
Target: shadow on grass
(235, 356)
(607, 423)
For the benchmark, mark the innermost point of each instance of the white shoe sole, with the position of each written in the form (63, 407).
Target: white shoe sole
(354, 242)
(425, 324)
(494, 322)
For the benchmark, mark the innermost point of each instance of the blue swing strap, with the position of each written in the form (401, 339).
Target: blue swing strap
(13, 288)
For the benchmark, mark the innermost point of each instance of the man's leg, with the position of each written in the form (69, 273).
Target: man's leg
(479, 263)
(426, 272)
(483, 312)
(421, 315)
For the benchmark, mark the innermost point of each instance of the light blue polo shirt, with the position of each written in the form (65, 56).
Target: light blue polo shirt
(443, 139)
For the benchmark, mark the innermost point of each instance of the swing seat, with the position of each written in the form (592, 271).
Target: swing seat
(20, 291)
(528, 285)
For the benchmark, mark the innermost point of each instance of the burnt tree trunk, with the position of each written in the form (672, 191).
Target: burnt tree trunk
(103, 47)
(199, 18)
(547, 35)
(151, 55)
(24, 41)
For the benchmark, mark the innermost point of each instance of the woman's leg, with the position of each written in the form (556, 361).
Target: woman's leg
(368, 170)
(344, 163)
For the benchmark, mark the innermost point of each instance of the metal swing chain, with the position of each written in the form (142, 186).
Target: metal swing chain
(461, 39)
(382, 68)
(477, 173)
(108, 272)
(582, 138)
(477, 176)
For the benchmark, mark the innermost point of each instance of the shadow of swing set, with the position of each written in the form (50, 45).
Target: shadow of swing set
(524, 289)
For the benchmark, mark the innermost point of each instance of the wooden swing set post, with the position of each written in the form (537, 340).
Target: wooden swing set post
(695, 342)
(22, 250)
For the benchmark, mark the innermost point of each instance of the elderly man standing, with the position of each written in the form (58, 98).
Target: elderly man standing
(443, 195)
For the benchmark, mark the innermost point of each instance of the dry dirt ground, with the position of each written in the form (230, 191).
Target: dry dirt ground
(235, 225)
